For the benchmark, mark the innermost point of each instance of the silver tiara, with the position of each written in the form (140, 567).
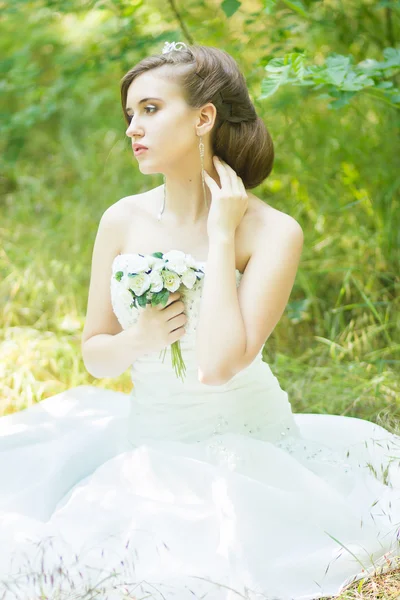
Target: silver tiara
(168, 46)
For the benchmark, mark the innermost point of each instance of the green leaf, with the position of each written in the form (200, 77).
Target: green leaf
(384, 85)
(275, 65)
(279, 73)
(142, 300)
(356, 82)
(269, 6)
(337, 67)
(343, 99)
(230, 7)
(392, 56)
(393, 4)
(297, 6)
(297, 310)
(160, 297)
(298, 64)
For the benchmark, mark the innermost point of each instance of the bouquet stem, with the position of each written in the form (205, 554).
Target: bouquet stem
(177, 360)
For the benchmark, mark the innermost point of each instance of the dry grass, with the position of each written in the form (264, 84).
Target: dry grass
(68, 580)
(340, 331)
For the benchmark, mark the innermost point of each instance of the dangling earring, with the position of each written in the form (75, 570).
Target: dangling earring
(201, 149)
(163, 206)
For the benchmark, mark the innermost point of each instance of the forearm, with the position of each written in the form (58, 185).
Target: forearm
(221, 335)
(106, 355)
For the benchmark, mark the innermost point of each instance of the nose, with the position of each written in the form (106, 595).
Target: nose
(132, 130)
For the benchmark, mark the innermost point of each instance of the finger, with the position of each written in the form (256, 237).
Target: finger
(212, 184)
(241, 186)
(237, 188)
(173, 296)
(224, 175)
(228, 168)
(234, 179)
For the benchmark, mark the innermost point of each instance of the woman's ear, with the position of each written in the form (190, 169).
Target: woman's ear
(206, 120)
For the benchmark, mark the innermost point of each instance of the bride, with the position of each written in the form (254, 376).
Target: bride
(210, 486)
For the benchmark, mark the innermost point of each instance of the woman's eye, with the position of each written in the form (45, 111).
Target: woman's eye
(145, 108)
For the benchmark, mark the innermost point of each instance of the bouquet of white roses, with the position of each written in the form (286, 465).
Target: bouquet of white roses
(151, 278)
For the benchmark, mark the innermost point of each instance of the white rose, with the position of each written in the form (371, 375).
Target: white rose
(190, 261)
(175, 261)
(174, 255)
(189, 278)
(200, 273)
(140, 283)
(156, 263)
(138, 264)
(127, 280)
(126, 296)
(172, 281)
(156, 281)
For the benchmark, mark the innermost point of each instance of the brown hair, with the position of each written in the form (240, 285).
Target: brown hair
(208, 74)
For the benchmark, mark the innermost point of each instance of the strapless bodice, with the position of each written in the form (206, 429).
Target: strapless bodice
(127, 316)
(171, 402)
(121, 298)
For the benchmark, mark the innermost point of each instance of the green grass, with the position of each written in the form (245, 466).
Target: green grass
(336, 348)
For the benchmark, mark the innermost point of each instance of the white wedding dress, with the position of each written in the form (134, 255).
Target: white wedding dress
(181, 490)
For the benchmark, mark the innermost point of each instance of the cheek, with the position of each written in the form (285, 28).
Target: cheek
(177, 125)
(182, 136)
(173, 136)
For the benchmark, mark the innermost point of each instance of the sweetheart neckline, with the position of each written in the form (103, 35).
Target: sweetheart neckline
(202, 262)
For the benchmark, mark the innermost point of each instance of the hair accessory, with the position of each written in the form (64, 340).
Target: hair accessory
(226, 109)
(169, 46)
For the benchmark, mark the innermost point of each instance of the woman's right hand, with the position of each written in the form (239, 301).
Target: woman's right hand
(159, 326)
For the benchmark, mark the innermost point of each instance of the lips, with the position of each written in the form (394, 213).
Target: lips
(140, 150)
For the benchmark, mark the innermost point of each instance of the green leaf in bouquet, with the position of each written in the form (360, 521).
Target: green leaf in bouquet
(142, 300)
(160, 297)
(133, 299)
(118, 275)
(133, 303)
(157, 254)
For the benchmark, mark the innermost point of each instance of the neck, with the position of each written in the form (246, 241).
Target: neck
(186, 202)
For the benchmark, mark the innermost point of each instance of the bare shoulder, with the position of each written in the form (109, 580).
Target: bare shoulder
(136, 204)
(267, 222)
(117, 216)
(122, 208)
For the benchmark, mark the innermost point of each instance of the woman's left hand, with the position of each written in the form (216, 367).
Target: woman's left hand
(228, 202)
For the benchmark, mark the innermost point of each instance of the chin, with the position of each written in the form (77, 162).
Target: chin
(147, 170)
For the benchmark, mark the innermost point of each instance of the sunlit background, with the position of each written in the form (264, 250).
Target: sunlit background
(65, 158)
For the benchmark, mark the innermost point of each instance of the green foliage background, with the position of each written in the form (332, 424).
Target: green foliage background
(324, 75)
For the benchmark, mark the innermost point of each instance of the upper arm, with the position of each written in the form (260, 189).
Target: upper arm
(100, 317)
(267, 282)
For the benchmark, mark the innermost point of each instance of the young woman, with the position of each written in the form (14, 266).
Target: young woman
(208, 486)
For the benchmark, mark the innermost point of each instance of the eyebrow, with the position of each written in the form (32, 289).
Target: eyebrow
(141, 102)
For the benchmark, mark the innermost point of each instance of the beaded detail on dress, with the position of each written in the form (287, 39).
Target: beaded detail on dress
(315, 457)
(226, 408)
